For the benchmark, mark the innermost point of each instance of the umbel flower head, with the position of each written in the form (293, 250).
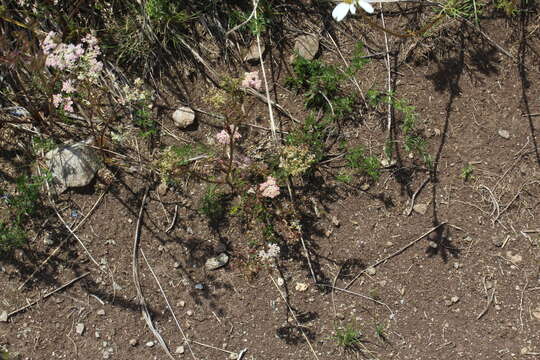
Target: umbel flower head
(343, 8)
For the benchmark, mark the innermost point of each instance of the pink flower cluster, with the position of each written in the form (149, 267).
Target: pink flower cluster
(251, 80)
(76, 59)
(269, 188)
(224, 138)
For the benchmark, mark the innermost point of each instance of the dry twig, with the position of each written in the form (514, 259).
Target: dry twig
(395, 253)
(47, 295)
(135, 269)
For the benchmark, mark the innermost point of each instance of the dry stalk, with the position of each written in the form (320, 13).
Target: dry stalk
(136, 280)
(395, 253)
(47, 295)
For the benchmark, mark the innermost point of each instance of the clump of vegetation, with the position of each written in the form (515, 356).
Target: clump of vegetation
(348, 337)
(17, 210)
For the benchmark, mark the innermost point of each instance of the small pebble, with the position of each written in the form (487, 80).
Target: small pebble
(371, 271)
(133, 342)
(101, 312)
(176, 265)
(301, 287)
(433, 244)
(504, 134)
(199, 286)
(96, 334)
(454, 299)
(150, 344)
(420, 208)
(280, 281)
(3, 316)
(498, 307)
(389, 244)
(179, 350)
(233, 356)
(457, 265)
(189, 313)
(79, 329)
(182, 303)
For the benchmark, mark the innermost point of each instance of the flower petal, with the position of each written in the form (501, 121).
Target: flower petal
(366, 6)
(340, 11)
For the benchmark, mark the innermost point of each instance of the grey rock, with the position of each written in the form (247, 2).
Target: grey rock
(420, 208)
(183, 117)
(79, 328)
(217, 262)
(73, 166)
(3, 316)
(199, 286)
(307, 46)
(504, 134)
(371, 271)
(252, 55)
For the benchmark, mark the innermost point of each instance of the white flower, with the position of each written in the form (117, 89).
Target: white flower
(343, 8)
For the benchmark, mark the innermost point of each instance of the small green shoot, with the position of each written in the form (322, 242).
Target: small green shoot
(467, 172)
(380, 331)
(213, 204)
(347, 337)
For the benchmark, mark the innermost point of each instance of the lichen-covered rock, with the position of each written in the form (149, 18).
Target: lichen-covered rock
(183, 117)
(73, 166)
(307, 46)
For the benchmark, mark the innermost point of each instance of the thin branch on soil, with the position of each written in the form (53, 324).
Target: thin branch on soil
(308, 259)
(334, 287)
(173, 220)
(75, 236)
(168, 304)
(135, 269)
(270, 110)
(514, 198)
(47, 295)
(395, 253)
(388, 78)
(269, 101)
(294, 316)
(518, 155)
(63, 241)
(362, 296)
(521, 303)
(411, 206)
(496, 208)
(490, 301)
(212, 347)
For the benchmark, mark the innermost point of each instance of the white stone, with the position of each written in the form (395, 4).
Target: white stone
(217, 262)
(179, 350)
(183, 117)
(504, 134)
(371, 271)
(307, 46)
(301, 287)
(79, 329)
(3, 316)
(73, 166)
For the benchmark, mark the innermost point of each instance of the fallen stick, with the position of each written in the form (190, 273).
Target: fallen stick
(63, 242)
(47, 295)
(136, 280)
(395, 253)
